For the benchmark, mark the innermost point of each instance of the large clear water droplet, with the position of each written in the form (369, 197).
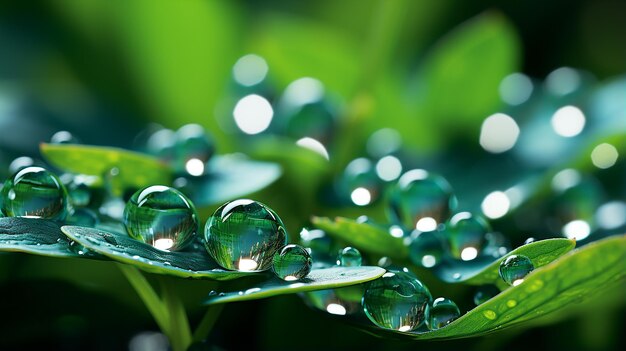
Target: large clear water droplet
(421, 200)
(514, 268)
(35, 192)
(244, 235)
(194, 148)
(441, 313)
(293, 262)
(485, 293)
(349, 257)
(426, 248)
(162, 217)
(466, 235)
(397, 300)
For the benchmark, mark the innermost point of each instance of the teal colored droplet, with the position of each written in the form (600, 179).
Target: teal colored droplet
(194, 148)
(83, 217)
(485, 293)
(465, 233)
(162, 144)
(349, 257)
(64, 137)
(35, 192)
(397, 300)
(321, 246)
(293, 262)
(514, 268)
(441, 313)
(79, 189)
(162, 217)
(244, 235)
(496, 245)
(426, 249)
(420, 200)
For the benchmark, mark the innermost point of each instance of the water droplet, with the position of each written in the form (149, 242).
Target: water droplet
(360, 183)
(162, 217)
(343, 301)
(63, 137)
(349, 257)
(421, 200)
(441, 313)
(514, 268)
(321, 246)
(244, 235)
(489, 314)
(34, 192)
(511, 303)
(212, 293)
(529, 240)
(466, 235)
(426, 249)
(456, 276)
(484, 293)
(293, 262)
(397, 300)
(194, 148)
(78, 187)
(20, 163)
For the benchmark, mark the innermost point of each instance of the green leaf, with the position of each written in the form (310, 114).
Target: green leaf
(195, 262)
(484, 270)
(458, 81)
(364, 236)
(589, 272)
(318, 279)
(231, 176)
(34, 236)
(135, 169)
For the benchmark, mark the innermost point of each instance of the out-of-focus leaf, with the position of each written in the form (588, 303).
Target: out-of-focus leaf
(458, 81)
(34, 236)
(318, 279)
(364, 236)
(135, 169)
(287, 44)
(195, 262)
(484, 270)
(231, 176)
(586, 273)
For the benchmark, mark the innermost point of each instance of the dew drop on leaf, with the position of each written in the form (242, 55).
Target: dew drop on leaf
(293, 262)
(441, 313)
(514, 268)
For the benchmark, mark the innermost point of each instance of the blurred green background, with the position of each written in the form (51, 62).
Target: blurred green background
(432, 70)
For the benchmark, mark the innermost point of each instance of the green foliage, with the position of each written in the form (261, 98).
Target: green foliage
(318, 279)
(34, 236)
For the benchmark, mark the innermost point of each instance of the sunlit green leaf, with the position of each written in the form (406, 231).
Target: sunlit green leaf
(484, 270)
(135, 169)
(583, 274)
(318, 279)
(364, 236)
(192, 263)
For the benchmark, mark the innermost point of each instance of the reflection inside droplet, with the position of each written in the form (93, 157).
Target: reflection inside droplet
(577, 230)
(388, 168)
(253, 114)
(337, 309)
(568, 121)
(163, 244)
(496, 205)
(246, 264)
(250, 70)
(604, 156)
(515, 88)
(313, 145)
(498, 133)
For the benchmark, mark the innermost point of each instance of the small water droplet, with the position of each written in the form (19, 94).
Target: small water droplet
(511, 303)
(421, 200)
(349, 257)
(441, 313)
(166, 263)
(484, 293)
(514, 268)
(244, 235)
(162, 217)
(34, 192)
(193, 149)
(529, 240)
(426, 248)
(489, 314)
(456, 276)
(293, 262)
(466, 235)
(212, 293)
(397, 300)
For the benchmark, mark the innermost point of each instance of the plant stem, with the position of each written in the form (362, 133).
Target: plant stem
(180, 332)
(148, 296)
(207, 322)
